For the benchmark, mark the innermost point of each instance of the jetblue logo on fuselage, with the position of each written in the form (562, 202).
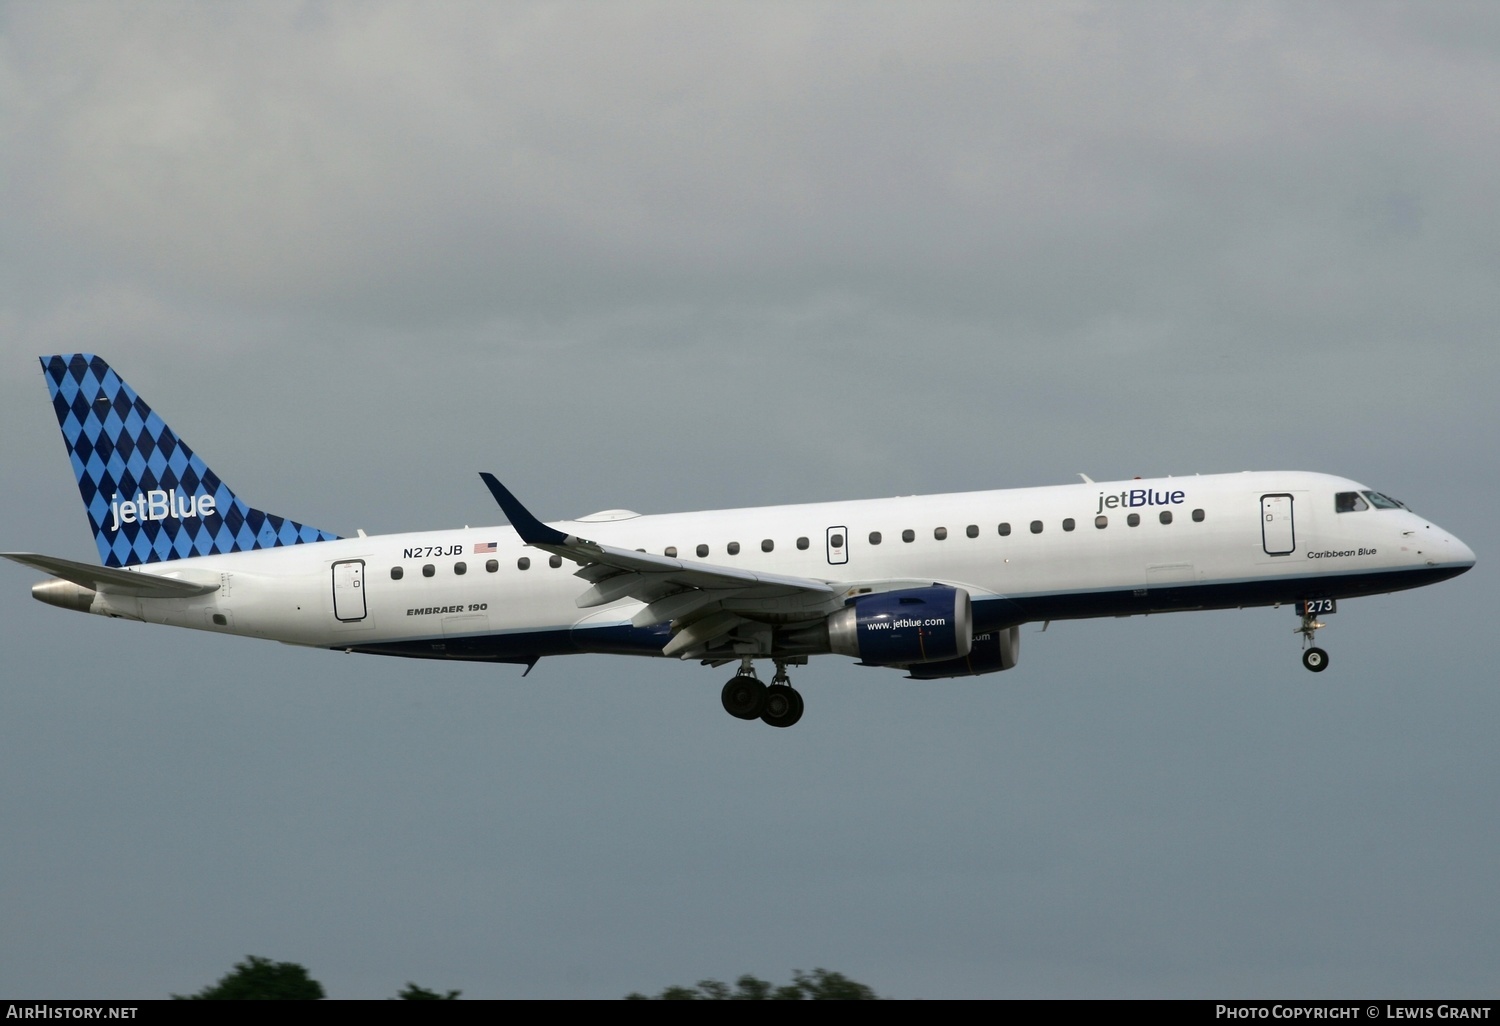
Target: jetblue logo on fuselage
(160, 505)
(1133, 497)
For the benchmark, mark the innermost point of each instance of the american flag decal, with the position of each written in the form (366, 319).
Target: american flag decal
(485, 547)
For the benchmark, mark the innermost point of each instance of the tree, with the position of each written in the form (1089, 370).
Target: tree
(260, 979)
(822, 985)
(818, 985)
(415, 993)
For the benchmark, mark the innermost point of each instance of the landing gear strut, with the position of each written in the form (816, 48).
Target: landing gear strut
(1313, 657)
(746, 698)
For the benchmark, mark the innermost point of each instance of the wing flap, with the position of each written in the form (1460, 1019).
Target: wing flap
(679, 605)
(701, 633)
(612, 589)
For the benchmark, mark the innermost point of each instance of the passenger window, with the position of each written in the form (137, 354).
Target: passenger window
(940, 533)
(837, 541)
(1036, 527)
(767, 545)
(491, 565)
(670, 552)
(802, 542)
(1134, 520)
(908, 535)
(1101, 522)
(702, 550)
(1166, 516)
(733, 548)
(460, 568)
(874, 537)
(397, 573)
(1068, 524)
(972, 530)
(1197, 516)
(428, 569)
(555, 562)
(1004, 530)
(524, 563)
(1349, 502)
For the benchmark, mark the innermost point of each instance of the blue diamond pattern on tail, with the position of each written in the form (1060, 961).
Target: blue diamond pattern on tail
(149, 497)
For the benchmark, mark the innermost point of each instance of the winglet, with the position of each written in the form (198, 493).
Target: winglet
(531, 530)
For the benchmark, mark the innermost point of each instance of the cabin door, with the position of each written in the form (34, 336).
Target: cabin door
(1278, 535)
(349, 591)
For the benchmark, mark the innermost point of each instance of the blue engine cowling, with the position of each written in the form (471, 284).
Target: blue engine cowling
(898, 628)
(993, 651)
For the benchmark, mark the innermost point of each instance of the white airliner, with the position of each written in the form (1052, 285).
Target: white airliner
(935, 585)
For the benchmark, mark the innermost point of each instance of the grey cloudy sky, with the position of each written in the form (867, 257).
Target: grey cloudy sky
(675, 256)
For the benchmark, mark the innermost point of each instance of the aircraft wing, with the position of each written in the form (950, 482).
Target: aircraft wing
(704, 602)
(119, 582)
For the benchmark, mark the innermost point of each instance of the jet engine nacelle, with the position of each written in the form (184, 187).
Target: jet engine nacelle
(897, 628)
(993, 651)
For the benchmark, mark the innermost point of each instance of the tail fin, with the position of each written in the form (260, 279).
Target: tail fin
(148, 496)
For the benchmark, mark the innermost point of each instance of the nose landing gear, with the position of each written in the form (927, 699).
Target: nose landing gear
(1313, 657)
(746, 698)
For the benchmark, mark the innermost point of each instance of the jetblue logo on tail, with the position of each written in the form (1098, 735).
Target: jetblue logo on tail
(159, 505)
(149, 497)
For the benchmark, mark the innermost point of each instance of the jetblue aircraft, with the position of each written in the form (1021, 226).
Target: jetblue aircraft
(935, 585)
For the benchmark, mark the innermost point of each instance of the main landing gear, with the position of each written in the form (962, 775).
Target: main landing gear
(746, 698)
(1313, 657)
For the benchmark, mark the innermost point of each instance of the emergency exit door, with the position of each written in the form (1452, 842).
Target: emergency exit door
(838, 545)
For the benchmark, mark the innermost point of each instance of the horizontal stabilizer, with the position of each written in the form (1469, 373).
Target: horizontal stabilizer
(181, 584)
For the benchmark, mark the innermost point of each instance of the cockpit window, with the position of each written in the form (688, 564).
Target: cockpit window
(1348, 502)
(1384, 501)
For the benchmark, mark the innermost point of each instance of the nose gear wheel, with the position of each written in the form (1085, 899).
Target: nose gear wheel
(1315, 659)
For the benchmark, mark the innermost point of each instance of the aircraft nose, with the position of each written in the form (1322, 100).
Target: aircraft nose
(1454, 552)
